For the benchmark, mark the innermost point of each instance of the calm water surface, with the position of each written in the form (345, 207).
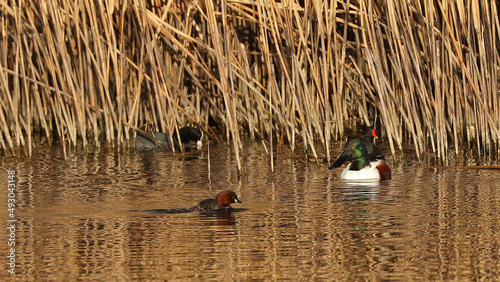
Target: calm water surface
(86, 218)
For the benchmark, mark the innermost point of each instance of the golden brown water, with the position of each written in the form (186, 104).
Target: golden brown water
(85, 218)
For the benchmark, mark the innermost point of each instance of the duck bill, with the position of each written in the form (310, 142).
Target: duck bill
(237, 201)
(342, 159)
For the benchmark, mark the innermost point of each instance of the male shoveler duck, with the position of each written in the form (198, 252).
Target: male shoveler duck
(364, 166)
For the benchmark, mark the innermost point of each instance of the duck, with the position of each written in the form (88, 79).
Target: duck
(363, 166)
(222, 201)
(188, 134)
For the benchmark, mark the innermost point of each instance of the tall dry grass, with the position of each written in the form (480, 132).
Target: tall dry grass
(294, 72)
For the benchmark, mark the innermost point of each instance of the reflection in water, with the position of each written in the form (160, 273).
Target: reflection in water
(122, 216)
(361, 190)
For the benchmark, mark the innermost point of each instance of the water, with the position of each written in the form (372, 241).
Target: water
(86, 218)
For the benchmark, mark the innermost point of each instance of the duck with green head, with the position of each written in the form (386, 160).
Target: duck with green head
(362, 167)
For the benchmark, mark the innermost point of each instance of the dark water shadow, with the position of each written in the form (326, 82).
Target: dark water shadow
(214, 217)
(185, 210)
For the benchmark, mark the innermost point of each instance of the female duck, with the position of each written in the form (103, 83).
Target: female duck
(362, 167)
(223, 201)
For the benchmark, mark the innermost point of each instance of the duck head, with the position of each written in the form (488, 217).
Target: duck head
(225, 198)
(356, 151)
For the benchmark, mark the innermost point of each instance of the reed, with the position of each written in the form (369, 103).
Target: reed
(297, 73)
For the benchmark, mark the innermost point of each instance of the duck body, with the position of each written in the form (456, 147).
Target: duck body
(222, 201)
(376, 170)
(363, 166)
(187, 133)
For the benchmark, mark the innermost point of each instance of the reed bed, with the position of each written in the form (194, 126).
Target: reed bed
(297, 73)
